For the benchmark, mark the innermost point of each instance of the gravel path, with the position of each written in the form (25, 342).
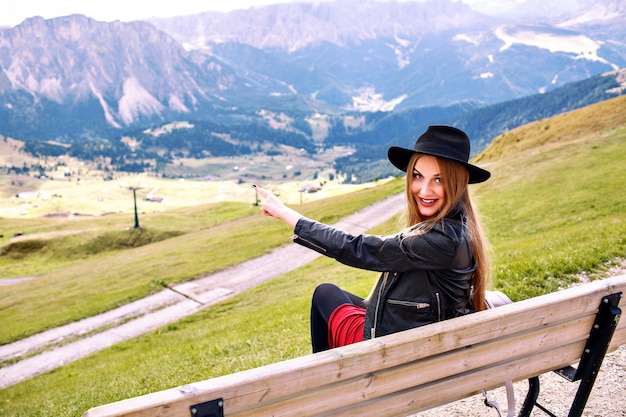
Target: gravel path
(608, 397)
(170, 305)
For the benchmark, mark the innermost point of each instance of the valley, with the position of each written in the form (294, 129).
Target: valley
(69, 187)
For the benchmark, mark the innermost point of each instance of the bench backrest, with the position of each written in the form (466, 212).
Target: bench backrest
(406, 372)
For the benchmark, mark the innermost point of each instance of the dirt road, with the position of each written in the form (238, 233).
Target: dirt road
(169, 305)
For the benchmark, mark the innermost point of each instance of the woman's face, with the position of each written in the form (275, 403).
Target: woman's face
(427, 186)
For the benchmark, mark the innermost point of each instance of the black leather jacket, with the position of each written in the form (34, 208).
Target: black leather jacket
(425, 278)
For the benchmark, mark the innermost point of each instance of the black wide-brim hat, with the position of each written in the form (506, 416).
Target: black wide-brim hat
(443, 142)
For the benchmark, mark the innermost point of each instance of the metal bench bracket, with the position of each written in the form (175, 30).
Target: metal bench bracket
(590, 362)
(213, 408)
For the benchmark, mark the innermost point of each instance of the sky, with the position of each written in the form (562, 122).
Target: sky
(16, 11)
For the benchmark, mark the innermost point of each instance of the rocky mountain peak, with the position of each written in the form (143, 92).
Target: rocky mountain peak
(293, 26)
(132, 69)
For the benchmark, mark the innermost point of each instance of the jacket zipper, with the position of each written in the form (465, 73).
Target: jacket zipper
(438, 306)
(294, 237)
(418, 306)
(380, 292)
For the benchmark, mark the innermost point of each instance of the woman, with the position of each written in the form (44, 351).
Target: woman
(435, 269)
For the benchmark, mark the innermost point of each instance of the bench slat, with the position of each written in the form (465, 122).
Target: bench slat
(558, 323)
(438, 367)
(442, 392)
(471, 362)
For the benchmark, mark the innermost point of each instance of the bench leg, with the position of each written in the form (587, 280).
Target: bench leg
(597, 346)
(531, 397)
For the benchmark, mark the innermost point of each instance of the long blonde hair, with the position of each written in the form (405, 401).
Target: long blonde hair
(455, 179)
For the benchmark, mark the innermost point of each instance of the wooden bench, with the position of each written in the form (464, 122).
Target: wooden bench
(418, 369)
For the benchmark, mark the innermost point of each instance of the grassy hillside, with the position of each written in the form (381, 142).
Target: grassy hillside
(101, 264)
(554, 208)
(556, 205)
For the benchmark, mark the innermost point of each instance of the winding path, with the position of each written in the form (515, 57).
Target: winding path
(169, 305)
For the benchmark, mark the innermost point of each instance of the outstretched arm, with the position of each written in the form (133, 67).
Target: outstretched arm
(273, 207)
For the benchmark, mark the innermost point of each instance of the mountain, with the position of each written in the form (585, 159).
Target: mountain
(399, 55)
(107, 74)
(73, 78)
(367, 135)
(482, 124)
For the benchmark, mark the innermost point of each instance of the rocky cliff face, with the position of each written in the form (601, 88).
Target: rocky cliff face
(132, 69)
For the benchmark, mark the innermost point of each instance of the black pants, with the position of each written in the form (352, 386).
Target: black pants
(326, 298)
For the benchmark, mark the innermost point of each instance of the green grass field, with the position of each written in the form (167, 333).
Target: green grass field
(554, 208)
